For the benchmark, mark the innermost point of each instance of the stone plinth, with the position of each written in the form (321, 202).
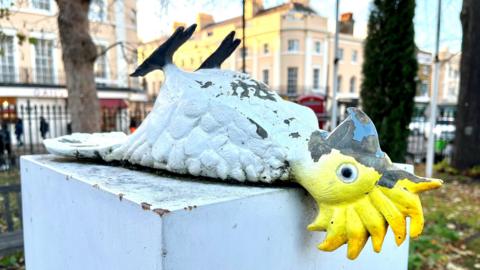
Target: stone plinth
(90, 216)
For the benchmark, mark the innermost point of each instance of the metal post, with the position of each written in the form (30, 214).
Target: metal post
(243, 38)
(29, 120)
(433, 101)
(335, 72)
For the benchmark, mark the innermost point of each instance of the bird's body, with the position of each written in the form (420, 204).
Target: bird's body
(219, 124)
(226, 125)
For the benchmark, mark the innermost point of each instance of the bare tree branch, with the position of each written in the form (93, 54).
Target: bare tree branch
(108, 48)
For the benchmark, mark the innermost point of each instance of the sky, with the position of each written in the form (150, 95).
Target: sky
(155, 18)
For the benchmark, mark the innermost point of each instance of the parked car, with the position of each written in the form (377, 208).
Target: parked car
(444, 128)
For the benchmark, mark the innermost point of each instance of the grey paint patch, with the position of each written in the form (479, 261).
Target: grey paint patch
(317, 145)
(259, 90)
(260, 130)
(390, 177)
(287, 121)
(204, 85)
(358, 133)
(294, 135)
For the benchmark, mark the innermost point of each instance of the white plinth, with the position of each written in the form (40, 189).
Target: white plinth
(88, 216)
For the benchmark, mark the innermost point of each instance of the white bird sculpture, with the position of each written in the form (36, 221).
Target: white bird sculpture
(225, 125)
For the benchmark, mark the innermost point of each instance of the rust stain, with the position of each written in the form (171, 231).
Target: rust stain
(161, 211)
(146, 206)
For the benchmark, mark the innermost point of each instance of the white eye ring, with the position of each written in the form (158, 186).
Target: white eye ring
(347, 172)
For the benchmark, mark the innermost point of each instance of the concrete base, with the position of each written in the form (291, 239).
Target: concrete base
(89, 216)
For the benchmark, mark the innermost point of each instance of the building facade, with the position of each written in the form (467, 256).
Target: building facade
(449, 79)
(288, 47)
(31, 67)
(448, 83)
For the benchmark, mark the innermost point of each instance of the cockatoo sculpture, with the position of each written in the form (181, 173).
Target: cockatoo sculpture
(225, 125)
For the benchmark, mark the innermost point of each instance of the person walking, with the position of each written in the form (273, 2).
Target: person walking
(19, 131)
(44, 127)
(6, 146)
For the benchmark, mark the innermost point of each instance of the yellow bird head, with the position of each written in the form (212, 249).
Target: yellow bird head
(358, 190)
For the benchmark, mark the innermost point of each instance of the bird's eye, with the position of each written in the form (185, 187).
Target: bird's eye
(347, 172)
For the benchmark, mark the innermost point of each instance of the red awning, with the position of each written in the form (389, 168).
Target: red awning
(113, 104)
(314, 102)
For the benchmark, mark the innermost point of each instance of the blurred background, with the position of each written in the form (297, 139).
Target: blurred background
(411, 65)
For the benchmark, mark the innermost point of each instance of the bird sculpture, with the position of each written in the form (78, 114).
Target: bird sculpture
(225, 125)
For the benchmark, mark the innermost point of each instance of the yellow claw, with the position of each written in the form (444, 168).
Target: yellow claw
(409, 204)
(394, 217)
(356, 233)
(373, 221)
(336, 231)
(351, 210)
(417, 187)
(321, 221)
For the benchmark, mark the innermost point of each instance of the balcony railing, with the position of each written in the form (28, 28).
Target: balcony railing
(28, 76)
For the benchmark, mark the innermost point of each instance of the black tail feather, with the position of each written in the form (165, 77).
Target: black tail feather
(223, 51)
(163, 55)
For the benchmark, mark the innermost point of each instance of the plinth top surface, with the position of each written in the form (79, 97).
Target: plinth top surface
(154, 189)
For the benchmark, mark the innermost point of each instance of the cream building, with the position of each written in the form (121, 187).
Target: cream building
(31, 66)
(32, 78)
(449, 82)
(288, 47)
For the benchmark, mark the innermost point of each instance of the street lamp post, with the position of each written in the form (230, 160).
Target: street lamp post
(335, 71)
(433, 101)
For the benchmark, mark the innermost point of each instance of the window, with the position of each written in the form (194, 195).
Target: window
(292, 75)
(96, 11)
(7, 63)
(423, 89)
(41, 4)
(265, 76)
(133, 16)
(265, 48)
(101, 64)
(44, 61)
(293, 45)
(339, 83)
(425, 70)
(340, 54)
(316, 78)
(354, 56)
(353, 82)
(318, 47)
(451, 91)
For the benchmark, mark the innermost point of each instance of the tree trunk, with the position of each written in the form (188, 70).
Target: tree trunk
(467, 135)
(79, 54)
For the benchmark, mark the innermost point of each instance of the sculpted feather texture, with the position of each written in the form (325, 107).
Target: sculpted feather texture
(226, 125)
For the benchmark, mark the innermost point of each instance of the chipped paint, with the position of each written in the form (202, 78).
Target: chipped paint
(294, 135)
(260, 130)
(145, 206)
(161, 212)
